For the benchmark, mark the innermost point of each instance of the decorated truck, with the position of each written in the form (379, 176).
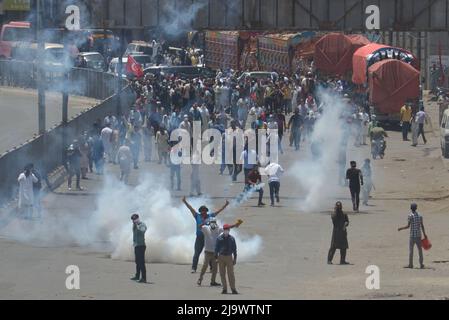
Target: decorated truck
(230, 50)
(278, 51)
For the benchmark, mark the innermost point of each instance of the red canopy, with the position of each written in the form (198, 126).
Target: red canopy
(359, 61)
(392, 83)
(333, 52)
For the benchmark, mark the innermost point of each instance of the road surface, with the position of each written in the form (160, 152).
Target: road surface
(291, 263)
(19, 114)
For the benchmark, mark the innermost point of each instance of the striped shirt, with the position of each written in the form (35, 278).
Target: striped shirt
(415, 221)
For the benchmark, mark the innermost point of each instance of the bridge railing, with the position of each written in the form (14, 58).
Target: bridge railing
(47, 151)
(83, 82)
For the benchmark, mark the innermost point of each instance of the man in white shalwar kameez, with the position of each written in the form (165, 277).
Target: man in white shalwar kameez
(26, 194)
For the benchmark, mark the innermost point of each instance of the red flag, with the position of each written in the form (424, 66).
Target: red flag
(133, 67)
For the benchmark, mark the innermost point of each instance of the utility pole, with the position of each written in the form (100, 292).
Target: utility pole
(40, 70)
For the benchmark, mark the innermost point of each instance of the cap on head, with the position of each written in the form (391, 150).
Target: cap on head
(413, 206)
(134, 217)
(227, 227)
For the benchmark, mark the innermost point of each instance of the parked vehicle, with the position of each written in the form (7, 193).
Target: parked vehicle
(91, 60)
(13, 34)
(257, 75)
(444, 134)
(188, 72)
(141, 47)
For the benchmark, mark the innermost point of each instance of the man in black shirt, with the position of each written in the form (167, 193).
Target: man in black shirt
(355, 178)
(295, 124)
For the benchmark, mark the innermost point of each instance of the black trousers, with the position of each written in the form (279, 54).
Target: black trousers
(74, 172)
(355, 196)
(139, 253)
(274, 190)
(331, 254)
(199, 246)
(405, 130)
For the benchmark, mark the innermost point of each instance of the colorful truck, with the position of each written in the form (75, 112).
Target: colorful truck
(277, 52)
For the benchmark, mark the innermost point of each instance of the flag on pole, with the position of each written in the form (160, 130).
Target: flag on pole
(133, 67)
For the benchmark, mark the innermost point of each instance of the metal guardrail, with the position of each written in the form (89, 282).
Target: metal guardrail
(83, 82)
(46, 151)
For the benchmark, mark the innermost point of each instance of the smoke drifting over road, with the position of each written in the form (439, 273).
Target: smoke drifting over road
(171, 227)
(318, 176)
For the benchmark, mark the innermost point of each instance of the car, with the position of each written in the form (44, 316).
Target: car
(444, 134)
(188, 72)
(91, 60)
(141, 47)
(257, 75)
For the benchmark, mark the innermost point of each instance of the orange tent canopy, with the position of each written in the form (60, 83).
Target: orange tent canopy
(359, 61)
(334, 51)
(392, 83)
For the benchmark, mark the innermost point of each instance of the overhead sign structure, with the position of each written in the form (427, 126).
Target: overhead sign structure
(16, 5)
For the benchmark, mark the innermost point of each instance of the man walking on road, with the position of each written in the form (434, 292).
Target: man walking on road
(355, 178)
(415, 224)
(421, 118)
(139, 229)
(226, 253)
(295, 124)
(274, 172)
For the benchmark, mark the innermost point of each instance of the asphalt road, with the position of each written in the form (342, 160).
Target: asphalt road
(19, 114)
(291, 263)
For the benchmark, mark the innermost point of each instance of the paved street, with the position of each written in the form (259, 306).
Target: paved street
(19, 120)
(85, 229)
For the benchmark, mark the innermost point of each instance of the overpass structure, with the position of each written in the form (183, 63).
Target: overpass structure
(395, 15)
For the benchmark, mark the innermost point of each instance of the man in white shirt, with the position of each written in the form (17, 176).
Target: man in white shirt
(274, 172)
(185, 125)
(421, 118)
(26, 194)
(106, 137)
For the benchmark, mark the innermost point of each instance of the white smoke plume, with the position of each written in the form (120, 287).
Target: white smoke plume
(171, 228)
(318, 176)
(178, 20)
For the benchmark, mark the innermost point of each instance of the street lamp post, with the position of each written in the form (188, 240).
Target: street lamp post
(40, 70)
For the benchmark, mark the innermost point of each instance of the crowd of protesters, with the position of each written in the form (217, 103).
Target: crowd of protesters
(229, 101)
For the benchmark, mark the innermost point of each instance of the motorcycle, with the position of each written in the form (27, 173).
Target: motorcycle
(378, 148)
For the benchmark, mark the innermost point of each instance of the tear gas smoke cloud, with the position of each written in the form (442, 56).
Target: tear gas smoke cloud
(318, 176)
(179, 20)
(171, 229)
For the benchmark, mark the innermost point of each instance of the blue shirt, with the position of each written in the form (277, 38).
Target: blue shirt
(226, 246)
(199, 221)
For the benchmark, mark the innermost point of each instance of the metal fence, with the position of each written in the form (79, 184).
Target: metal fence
(83, 82)
(47, 151)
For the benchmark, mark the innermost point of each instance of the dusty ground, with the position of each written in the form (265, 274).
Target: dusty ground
(292, 263)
